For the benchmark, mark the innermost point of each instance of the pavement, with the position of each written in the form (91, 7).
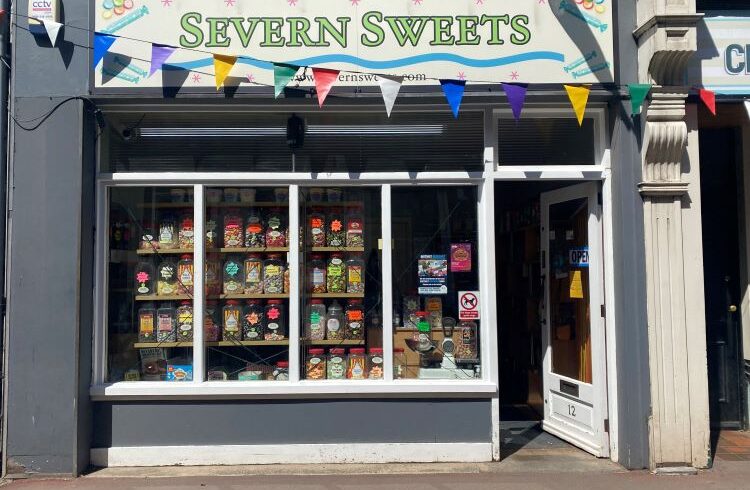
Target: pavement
(531, 460)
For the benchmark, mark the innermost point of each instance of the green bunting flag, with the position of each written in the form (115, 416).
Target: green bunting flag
(282, 75)
(638, 93)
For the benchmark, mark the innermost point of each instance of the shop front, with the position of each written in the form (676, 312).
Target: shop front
(294, 280)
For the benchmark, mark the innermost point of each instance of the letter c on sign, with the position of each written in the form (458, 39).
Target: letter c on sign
(729, 59)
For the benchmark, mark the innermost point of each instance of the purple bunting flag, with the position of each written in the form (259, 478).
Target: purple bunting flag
(159, 54)
(516, 93)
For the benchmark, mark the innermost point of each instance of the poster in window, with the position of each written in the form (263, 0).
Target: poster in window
(433, 274)
(460, 257)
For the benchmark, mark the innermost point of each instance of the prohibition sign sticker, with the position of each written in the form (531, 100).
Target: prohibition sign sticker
(468, 305)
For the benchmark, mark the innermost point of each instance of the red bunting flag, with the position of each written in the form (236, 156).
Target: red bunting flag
(709, 98)
(324, 80)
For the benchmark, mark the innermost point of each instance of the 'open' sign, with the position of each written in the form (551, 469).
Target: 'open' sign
(579, 257)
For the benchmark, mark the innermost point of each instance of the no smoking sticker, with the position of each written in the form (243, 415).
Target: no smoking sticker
(468, 305)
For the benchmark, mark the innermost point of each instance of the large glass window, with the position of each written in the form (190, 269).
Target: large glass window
(435, 282)
(546, 141)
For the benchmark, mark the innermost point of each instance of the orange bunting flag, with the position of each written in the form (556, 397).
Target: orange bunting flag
(222, 66)
(324, 80)
(579, 97)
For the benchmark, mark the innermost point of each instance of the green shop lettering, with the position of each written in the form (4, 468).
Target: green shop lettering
(376, 28)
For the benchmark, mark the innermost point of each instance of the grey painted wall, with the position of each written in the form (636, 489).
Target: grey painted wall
(123, 424)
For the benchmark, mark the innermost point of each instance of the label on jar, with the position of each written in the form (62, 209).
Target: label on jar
(166, 234)
(232, 268)
(252, 272)
(333, 325)
(274, 222)
(254, 225)
(211, 272)
(315, 360)
(336, 368)
(231, 321)
(147, 239)
(354, 315)
(165, 322)
(273, 270)
(335, 267)
(143, 289)
(467, 335)
(186, 274)
(273, 326)
(377, 360)
(336, 225)
(318, 276)
(355, 274)
(167, 272)
(358, 370)
(231, 286)
(146, 325)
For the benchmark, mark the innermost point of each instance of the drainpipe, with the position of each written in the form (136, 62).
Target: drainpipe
(5, 63)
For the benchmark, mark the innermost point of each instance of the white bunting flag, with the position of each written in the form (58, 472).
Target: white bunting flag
(390, 87)
(53, 29)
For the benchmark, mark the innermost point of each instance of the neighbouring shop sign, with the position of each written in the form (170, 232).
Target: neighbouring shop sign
(722, 63)
(556, 41)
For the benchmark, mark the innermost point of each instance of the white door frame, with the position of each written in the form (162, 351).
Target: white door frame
(592, 398)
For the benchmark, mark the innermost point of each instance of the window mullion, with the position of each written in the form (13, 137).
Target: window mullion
(199, 268)
(387, 250)
(294, 285)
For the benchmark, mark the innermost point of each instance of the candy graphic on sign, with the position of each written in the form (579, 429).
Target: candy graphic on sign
(461, 257)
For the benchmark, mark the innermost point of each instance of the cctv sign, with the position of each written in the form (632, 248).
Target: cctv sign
(43, 10)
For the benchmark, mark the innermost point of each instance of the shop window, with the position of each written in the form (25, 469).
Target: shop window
(342, 336)
(435, 282)
(247, 283)
(150, 317)
(536, 141)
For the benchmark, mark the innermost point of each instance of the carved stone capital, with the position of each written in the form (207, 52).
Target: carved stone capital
(665, 142)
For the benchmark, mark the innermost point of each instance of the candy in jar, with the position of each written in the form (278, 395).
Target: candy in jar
(316, 274)
(147, 323)
(355, 229)
(185, 274)
(168, 234)
(186, 233)
(316, 320)
(275, 229)
(466, 350)
(252, 320)
(337, 364)
(357, 365)
(355, 318)
(211, 327)
(233, 229)
(148, 241)
(144, 278)
(286, 280)
(255, 237)
(355, 268)
(315, 367)
(376, 363)
(231, 321)
(166, 283)
(335, 232)
(273, 275)
(254, 274)
(281, 372)
(335, 278)
(213, 277)
(166, 323)
(317, 223)
(275, 318)
(233, 276)
(335, 322)
(211, 234)
(185, 322)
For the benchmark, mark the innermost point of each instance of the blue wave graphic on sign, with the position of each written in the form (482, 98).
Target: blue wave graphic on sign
(389, 64)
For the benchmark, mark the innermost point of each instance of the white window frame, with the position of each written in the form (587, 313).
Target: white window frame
(485, 387)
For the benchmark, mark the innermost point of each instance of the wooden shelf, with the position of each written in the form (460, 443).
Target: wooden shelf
(241, 250)
(171, 297)
(334, 342)
(251, 296)
(165, 251)
(327, 204)
(337, 249)
(257, 204)
(337, 295)
(245, 343)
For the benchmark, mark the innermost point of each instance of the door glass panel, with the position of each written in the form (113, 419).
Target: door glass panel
(569, 301)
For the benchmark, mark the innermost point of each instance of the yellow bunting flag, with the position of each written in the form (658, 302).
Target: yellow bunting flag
(222, 66)
(579, 97)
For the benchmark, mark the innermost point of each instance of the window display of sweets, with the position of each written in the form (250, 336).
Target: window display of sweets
(254, 274)
(273, 275)
(336, 367)
(316, 274)
(233, 236)
(213, 277)
(168, 234)
(186, 233)
(335, 231)
(211, 326)
(466, 348)
(275, 318)
(315, 365)
(317, 225)
(147, 323)
(166, 323)
(276, 231)
(286, 280)
(357, 364)
(335, 278)
(375, 361)
(355, 275)
(399, 363)
(231, 314)
(185, 322)
(255, 236)
(281, 371)
(355, 320)
(185, 274)
(166, 282)
(233, 276)
(144, 278)
(335, 322)
(148, 241)
(211, 233)
(315, 324)
(355, 229)
(252, 320)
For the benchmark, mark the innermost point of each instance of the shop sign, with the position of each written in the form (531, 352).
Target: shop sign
(579, 257)
(560, 41)
(460, 257)
(722, 63)
(468, 305)
(433, 274)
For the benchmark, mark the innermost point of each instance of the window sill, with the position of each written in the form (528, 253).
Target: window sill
(304, 389)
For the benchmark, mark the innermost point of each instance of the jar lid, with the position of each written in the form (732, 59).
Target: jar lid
(337, 255)
(317, 352)
(186, 257)
(186, 303)
(232, 302)
(316, 301)
(421, 314)
(400, 350)
(283, 364)
(274, 301)
(274, 256)
(376, 350)
(338, 351)
(316, 257)
(212, 302)
(354, 302)
(357, 350)
(254, 256)
(253, 302)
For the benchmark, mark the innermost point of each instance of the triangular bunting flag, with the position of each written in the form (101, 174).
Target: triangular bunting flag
(102, 43)
(709, 98)
(579, 97)
(53, 29)
(454, 92)
(324, 80)
(282, 75)
(516, 93)
(159, 54)
(390, 87)
(638, 93)
(222, 66)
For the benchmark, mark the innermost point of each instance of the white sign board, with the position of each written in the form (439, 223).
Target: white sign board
(558, 41)
(722, 63)
(468, 305)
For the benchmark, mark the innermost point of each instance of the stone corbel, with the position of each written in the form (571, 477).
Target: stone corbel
(666, 42)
